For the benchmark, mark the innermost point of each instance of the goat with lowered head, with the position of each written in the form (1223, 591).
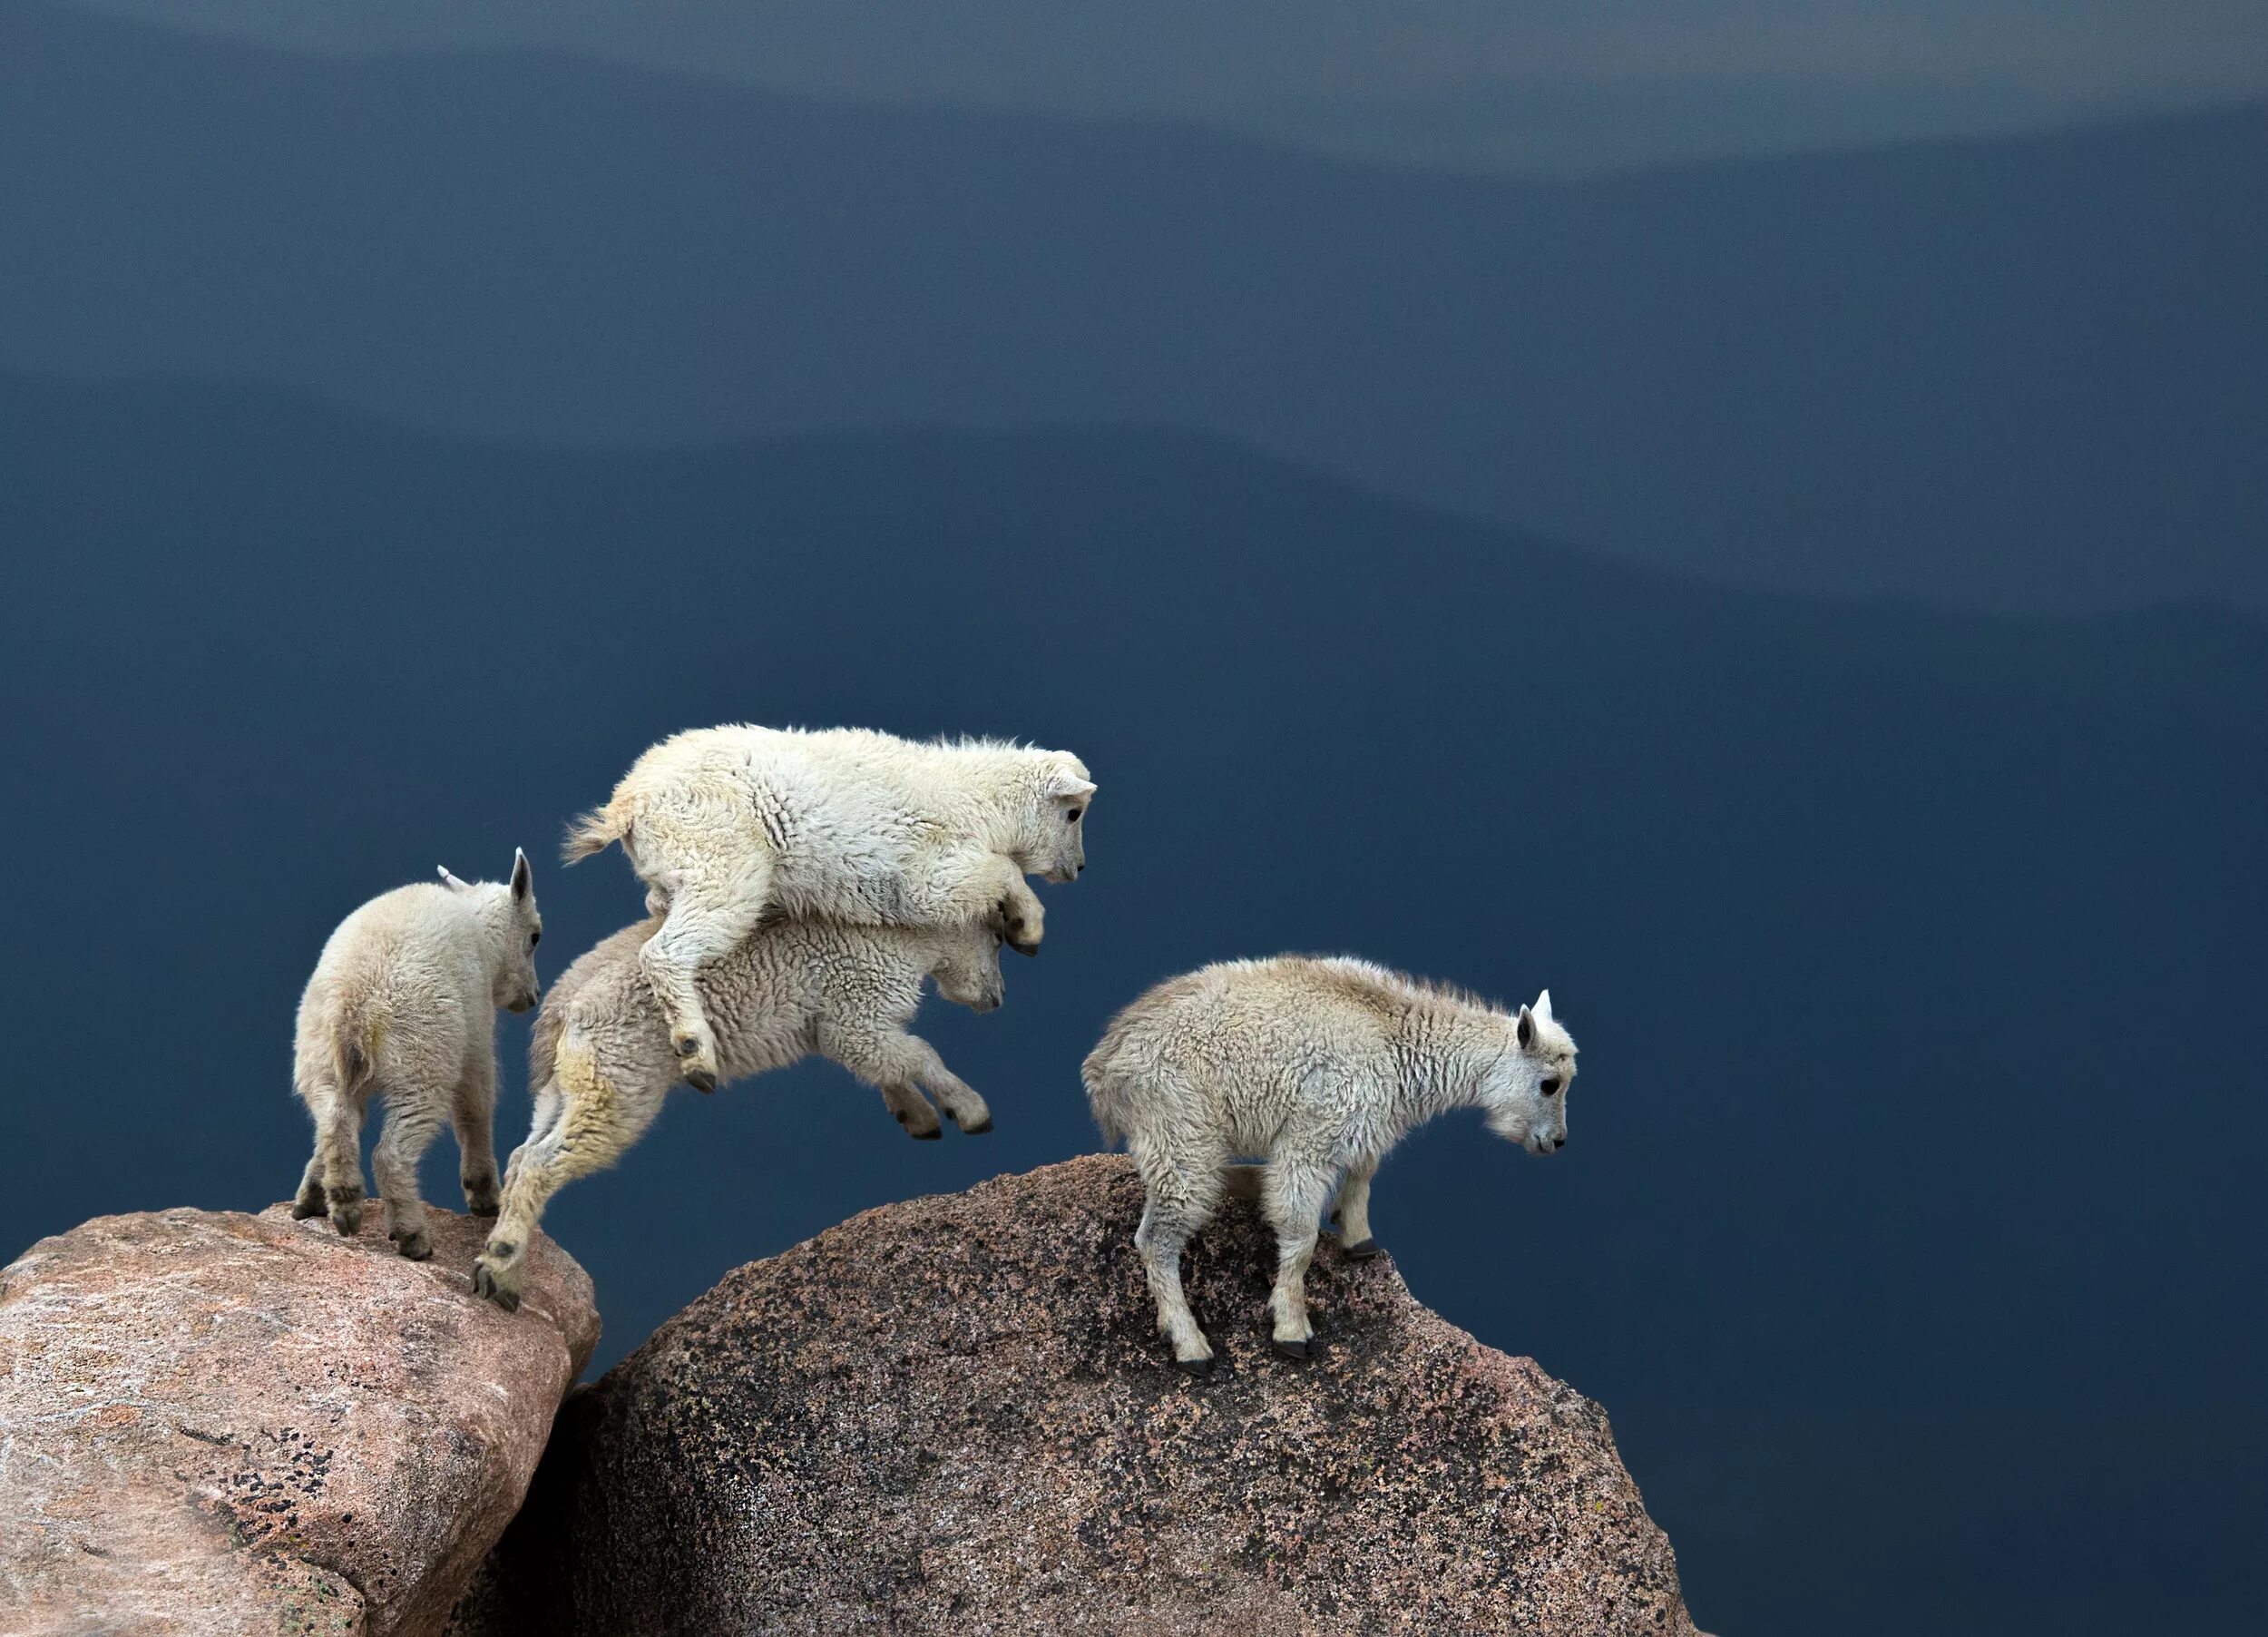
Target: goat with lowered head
(601, 1062)
(843, 824)
(1317, 1067)
(401, 1006)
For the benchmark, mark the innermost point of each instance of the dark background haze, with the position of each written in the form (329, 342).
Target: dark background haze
(1804, 610)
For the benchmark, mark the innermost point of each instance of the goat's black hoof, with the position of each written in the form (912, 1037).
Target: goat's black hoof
(485, 1285)
(415, 1246)
(700, 1080)
(303, 1209)
(1025, 949)
(1361, 1250)
(979, 1129)
(1301, 1350)
(1199, 1369)
(936, 1134)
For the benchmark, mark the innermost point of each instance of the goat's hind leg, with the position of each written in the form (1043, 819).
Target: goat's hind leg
(592, 1120)
(309, 1200)
(412, 1117)
(712, 909)
(1180, 1201)
(337, 1157)
(474, 1113)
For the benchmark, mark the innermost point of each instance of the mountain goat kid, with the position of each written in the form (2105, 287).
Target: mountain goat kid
(1319, 1066)
(400, 1007)
(840, 824)
(601, 1061)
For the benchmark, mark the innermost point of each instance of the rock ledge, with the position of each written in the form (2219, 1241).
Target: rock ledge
(954, 1414)
(218, 1422)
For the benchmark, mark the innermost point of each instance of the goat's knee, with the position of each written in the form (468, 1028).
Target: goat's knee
(1018, 917)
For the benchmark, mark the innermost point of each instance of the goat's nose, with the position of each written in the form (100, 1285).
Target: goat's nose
(1558, 1141)
(1080, 870)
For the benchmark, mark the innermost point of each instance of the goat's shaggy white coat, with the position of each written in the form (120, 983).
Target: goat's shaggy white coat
(840, 824)
(402, 1005)
(1319, 1067)
(601, 1061)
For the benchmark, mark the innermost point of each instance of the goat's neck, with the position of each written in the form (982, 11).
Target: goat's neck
(1445, 1056)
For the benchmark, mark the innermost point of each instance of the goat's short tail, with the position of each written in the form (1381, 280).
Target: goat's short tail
(354, 1038)
(1102, 1100)
(594, 832)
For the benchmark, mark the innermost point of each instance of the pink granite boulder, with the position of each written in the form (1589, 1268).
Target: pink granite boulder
(217, 1423)
(953, 1415)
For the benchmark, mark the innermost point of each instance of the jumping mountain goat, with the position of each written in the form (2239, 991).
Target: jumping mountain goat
(840, 824)
(1318, 1067)
(401, 1006)
(601, 1060)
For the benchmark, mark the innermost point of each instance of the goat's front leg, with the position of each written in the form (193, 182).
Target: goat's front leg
(1291, 1198)
(893, 1065)
(1015, 910)
(962, 1104)
(1351, 1213)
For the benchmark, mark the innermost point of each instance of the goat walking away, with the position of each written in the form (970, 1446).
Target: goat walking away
(401, 1006)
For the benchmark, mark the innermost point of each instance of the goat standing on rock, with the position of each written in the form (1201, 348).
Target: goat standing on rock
(601, 1062)
(1320, 1066)
(401, 1006)
(843, 824)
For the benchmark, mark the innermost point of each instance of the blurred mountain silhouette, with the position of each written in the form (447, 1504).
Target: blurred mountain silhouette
(2018, 373)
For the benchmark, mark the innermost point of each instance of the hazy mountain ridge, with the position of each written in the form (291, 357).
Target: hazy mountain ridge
(2023, 372)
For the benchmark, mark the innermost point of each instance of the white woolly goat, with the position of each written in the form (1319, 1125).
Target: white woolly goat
(841, 824)
(601, 1062)
(1318, 1066)
(401, 1006)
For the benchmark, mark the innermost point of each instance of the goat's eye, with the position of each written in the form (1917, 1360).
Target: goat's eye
(1072, 817)
(1550, 1084)
(535, 937)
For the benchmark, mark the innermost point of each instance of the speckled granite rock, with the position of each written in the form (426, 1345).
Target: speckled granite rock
(954, 1414)
(217, 1423)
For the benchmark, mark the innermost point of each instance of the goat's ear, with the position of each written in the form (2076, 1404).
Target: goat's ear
(450, 881)
(1543, 1004)
(1064, 784)
(1526, 1028)
(522, 879)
